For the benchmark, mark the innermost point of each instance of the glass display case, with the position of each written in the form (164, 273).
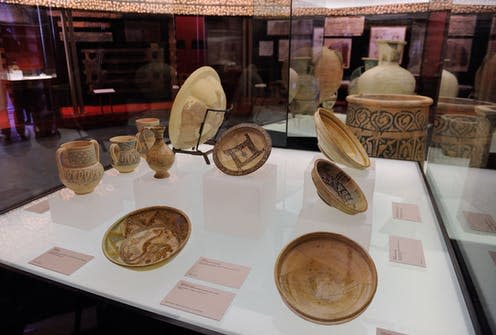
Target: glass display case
(409, 83)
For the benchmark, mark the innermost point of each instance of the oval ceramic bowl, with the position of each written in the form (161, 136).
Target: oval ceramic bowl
(202, 90)
(129, 228)
(337, 188)
(325, 278)
(337, 142)
(242, 149)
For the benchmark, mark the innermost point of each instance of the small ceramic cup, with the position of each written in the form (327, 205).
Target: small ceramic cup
(145, 137)
(124, 153)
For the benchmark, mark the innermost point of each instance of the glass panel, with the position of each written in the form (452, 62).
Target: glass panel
(461, 158)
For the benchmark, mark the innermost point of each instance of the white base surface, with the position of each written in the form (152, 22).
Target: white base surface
(409, 299)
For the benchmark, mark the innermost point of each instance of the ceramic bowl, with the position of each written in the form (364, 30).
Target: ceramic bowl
(242, 149)
(337, 142)
(325, 278)
(337, 189)
(147, 237)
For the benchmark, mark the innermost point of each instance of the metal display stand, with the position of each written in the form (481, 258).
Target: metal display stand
(197, 152)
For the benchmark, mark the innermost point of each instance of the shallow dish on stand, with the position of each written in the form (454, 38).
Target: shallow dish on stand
(242, 149)
(202, 90)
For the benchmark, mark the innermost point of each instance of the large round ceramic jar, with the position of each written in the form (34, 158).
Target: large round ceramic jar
(388, 77)
(390, 125)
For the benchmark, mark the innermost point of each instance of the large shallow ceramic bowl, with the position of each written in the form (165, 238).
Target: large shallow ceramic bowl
(201, 91)
(337, 142)
(242, 149)
(147, 237)
(325, 277)
(337, 189)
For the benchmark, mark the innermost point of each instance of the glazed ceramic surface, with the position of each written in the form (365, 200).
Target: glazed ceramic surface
(337, 189)
(145, 138)
(388, 77)
(124, 153)
(325, 277)
(147, 236)
(337, 141)
(242, 149)
(201, 91)
(160, 157)
(79, 165)
(390, 125)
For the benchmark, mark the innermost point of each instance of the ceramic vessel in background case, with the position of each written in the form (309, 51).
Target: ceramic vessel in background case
(337, 142)
(388, 77)
(124, 154)
(329, 73)
(160, 157)
(144, 136)
(337, 189)
(325, 278)
(390, 125)
(485, 84)
(449, 85)
(79, 165)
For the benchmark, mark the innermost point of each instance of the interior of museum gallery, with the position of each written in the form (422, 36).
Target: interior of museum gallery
(96, 70)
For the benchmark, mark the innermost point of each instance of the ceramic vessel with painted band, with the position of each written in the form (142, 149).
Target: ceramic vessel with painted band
(124, 153)
(79, 165)
(390, 125)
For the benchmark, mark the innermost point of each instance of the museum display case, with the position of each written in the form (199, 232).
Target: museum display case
(174, 145)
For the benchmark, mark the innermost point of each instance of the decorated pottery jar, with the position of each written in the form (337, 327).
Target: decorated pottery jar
(79, 165)
(390, 125)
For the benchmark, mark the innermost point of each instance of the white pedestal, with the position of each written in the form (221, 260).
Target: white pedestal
(86, 211)
(240, 205)
(181, 190)
(318, 216)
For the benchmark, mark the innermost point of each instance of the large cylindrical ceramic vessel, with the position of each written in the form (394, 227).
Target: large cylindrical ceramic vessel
(464, 136)
(390, 125)
(388, 77)
(459, 131)
(79, 165)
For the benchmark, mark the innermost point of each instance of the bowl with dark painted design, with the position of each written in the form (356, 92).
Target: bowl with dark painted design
(337, 189)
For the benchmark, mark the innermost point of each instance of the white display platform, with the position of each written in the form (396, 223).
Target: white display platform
(252, 206)
(316, 214)
(409, 299)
